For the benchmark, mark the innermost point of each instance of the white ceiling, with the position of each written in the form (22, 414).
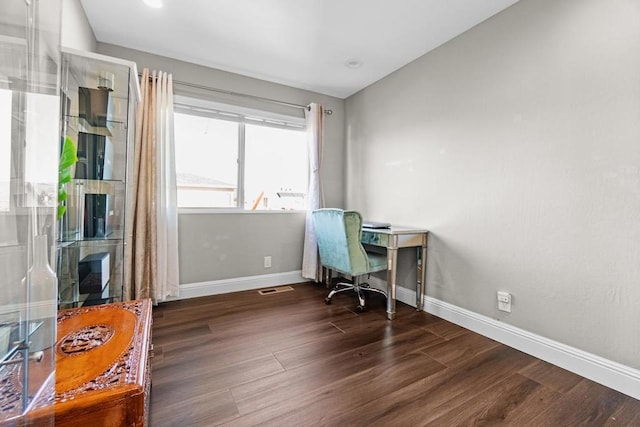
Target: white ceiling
(299, 43)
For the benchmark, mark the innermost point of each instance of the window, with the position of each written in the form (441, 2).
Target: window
(206, 161)
(228, 158)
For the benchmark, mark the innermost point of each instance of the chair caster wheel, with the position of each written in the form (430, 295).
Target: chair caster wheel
(360, 309)
(327, 300)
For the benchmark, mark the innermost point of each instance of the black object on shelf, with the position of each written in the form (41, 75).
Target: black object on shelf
(98, 215)
(95, 157)
(93, 105)
(94, 273)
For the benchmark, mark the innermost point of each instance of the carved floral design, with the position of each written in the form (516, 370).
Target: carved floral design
(10, 390)
(85, 339)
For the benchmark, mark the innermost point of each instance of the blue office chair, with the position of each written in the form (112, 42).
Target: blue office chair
(338, 233)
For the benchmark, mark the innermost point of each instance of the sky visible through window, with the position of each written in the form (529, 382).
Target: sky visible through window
(206, 147)
(275, 161)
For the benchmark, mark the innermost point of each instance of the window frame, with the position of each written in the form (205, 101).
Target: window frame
(243, 116)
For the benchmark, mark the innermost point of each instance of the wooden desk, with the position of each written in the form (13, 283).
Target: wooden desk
(393, 239)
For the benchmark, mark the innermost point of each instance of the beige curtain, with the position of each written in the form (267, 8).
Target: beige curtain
(315, 128)
(152, 246)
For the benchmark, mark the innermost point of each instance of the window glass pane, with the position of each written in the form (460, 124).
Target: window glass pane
(206, 161)
(276, 168)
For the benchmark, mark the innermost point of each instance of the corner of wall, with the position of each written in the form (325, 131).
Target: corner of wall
(76, 29)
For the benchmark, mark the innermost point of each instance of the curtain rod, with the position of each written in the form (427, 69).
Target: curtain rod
(260, 98)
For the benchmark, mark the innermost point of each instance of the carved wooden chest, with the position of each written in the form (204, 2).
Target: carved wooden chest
(102, 368)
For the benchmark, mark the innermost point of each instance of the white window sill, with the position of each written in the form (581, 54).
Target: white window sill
(216, 211)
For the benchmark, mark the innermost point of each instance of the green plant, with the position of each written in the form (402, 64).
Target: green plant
(68, 157)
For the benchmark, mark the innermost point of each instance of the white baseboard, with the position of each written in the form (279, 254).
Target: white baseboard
(603, 371)
(201, 289)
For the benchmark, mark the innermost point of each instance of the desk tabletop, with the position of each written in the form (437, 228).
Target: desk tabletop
(396, 229)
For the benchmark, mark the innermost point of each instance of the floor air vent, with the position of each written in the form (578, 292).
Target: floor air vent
(276, 290)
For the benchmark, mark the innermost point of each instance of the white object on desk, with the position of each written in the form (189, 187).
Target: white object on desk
(375, 224)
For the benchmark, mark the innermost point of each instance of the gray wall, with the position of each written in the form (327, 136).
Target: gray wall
(222, 246)
(76, 31)
(234, 245)
(518, 145)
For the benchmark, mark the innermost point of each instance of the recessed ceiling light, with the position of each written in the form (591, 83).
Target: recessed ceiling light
(155, 4)
(353, 63)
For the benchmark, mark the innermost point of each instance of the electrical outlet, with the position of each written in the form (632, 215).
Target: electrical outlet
(267, 262)
(504, 301)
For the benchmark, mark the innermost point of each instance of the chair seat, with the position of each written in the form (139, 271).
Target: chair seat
(377, 262)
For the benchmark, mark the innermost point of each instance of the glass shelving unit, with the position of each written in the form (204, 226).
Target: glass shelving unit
(29, 149)
(99, 97)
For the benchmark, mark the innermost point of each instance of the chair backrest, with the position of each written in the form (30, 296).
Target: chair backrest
(338, 233)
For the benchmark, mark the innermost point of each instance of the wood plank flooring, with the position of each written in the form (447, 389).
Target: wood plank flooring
(287, 359)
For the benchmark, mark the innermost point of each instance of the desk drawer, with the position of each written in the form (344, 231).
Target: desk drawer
(375, 239)
(410, 240)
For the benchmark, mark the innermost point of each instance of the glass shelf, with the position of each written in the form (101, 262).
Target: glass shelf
(88, 299)
(11, 344)
(9, 339)
(100, 186)
(80, 124)
(109, 238)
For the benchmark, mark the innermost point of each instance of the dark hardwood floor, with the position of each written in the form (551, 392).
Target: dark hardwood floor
(287, 359)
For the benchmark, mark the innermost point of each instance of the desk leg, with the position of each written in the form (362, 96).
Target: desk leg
(392, 257)
(422, 276)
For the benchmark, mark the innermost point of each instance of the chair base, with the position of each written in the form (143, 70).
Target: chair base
(358, 288)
